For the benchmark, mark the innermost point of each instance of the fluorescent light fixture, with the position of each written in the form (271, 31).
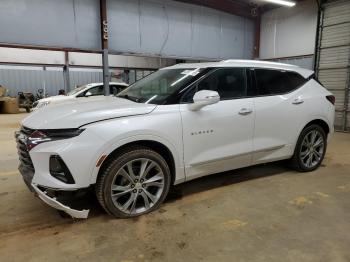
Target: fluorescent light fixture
(282, 2)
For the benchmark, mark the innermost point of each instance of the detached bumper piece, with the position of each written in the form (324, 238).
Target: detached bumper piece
(53, 202)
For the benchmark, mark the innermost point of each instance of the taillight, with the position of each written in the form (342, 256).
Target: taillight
(331, 99)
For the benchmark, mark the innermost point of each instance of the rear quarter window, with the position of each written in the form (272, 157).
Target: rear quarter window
(273, 82)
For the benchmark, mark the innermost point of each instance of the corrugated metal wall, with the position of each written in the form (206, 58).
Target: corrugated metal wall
(31, 78)
(84, 76)
(23, 79)
(333, 63)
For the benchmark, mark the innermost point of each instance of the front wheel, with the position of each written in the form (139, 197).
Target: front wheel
(310, 149)
(135, 182)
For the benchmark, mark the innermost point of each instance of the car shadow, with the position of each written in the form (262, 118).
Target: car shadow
(225, 178)
(205, 183)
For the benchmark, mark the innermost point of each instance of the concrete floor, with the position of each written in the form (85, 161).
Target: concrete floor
(264, 213)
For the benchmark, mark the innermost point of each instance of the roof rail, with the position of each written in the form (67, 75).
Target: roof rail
(256, 61)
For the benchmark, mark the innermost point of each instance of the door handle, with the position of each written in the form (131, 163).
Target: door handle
(245, 111)
(298, 101)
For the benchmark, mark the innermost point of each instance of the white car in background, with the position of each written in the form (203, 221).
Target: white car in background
(89, 90)
(177, 124)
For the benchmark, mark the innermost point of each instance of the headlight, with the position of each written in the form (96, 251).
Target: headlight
(36, 138)
(42, 104)
(42, 136)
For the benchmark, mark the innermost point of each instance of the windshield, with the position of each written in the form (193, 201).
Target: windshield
(157, 87)
(76, 90)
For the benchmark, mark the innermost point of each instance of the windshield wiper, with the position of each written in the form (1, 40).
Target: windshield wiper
(131, 98)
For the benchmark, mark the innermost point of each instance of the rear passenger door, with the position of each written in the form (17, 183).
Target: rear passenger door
(279, 106)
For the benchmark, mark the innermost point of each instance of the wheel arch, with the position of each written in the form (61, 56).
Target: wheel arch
(317, 121)
(157, 146)
(323, 124)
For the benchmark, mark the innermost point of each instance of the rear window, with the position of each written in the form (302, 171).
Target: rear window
(271, 82)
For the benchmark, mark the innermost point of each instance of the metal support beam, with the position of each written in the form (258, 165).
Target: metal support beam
(346, 99)
(257, 22)
(106, 74)
(104, 43)
(66, 72)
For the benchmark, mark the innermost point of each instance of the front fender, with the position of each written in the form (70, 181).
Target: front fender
(109, 148)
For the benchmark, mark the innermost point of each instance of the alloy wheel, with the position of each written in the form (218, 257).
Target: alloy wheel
(137, 186)
(312, 149)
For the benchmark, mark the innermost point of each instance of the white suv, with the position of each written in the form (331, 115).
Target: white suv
(177, 124)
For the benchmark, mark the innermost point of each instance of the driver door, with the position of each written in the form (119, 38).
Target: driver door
(218, 137)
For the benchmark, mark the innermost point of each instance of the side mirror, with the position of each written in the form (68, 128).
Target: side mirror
(204, 98)
(88, 93)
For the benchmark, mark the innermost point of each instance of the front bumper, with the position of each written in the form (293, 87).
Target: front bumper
(53, 202)
(29, 174)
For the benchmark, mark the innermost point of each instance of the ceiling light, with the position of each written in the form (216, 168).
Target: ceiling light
(281, 2)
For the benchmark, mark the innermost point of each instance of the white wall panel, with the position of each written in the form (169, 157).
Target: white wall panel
(122, 61)
(17, 55)
(304, 62)
(206, 34)
(85, 59)
(64, 23)
(289, 31)
(179, 32)
(173, 29)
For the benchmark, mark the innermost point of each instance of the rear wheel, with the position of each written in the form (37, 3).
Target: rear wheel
(310, 149)
(133, 183)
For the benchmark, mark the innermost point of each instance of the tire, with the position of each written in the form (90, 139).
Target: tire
(306, 149)
(134, 192)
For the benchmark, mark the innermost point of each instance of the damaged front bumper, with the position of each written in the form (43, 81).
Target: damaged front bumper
(54, 197)
(53, 202)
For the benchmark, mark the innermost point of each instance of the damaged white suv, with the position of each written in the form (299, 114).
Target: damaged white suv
(177, 124)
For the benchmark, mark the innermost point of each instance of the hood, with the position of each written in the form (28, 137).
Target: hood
(74, 114)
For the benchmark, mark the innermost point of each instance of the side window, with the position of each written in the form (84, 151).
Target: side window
(95, 91)
(272, 82)
(115, 89)
(230, 83)
(296, 80)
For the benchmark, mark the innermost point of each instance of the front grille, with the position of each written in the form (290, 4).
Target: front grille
(26, 131)
(26, 166)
